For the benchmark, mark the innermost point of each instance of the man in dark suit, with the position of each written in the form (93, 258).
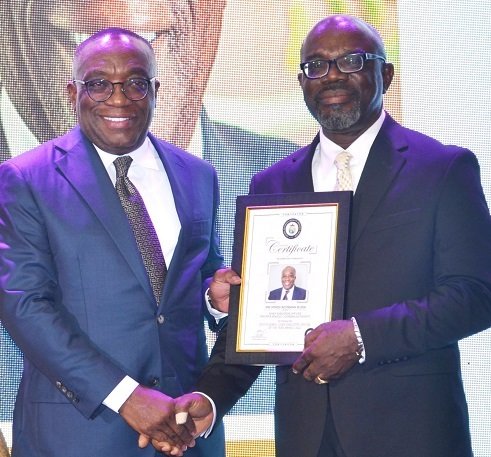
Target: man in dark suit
(106, 344)
(386, 380)
(289, 291)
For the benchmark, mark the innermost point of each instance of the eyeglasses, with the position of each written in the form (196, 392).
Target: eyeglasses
(351, 63)
(101, 90)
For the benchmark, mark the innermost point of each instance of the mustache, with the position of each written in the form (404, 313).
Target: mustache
(337, 86)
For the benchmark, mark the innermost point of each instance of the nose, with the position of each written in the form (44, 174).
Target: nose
(334, 74)
(117, 97)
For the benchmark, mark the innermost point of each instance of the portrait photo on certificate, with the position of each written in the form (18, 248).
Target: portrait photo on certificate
(291, 252)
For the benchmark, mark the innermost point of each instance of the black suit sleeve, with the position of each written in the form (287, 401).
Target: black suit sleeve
(224, 383)
(458, 303)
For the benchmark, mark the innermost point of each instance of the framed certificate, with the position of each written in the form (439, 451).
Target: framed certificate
(291, 253)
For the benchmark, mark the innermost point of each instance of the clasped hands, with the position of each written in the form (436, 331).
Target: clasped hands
(330, 350)
(155, 417)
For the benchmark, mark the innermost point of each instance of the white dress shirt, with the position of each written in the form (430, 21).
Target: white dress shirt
(290, 293)
(323, 168)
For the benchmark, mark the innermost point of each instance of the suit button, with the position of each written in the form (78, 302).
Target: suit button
(64, 389)
(160, 319)
(154, 382)
(69, 394)
(58, 384)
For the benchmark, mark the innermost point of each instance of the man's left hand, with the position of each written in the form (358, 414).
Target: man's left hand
(330, 351)
(220, 288)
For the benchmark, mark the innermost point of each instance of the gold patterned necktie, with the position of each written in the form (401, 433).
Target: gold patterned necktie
(141, 224)
(343, 174)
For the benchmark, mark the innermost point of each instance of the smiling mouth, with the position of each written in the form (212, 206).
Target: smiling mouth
(116, 119)
(335, 96)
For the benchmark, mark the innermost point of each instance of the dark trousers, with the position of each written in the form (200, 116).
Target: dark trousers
(330, 446)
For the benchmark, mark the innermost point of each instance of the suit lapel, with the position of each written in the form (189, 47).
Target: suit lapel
(82, 167)
(383, 164)
(182, 192)
(297, 177)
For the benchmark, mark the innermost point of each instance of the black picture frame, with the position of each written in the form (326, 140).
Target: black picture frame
(339, 203)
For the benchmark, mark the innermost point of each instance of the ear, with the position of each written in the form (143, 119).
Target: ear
(72, 94)
(157, 85)
(387, 75)
(300, 77)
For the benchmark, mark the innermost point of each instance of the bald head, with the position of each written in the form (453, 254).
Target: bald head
(106, 38)
(343, 24)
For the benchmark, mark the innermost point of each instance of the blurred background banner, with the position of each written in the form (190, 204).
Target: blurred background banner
(229, 94)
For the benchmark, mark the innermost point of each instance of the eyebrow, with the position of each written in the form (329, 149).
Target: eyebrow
(132, 73)
(317, 56)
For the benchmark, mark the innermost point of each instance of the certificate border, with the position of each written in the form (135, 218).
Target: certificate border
(343, 199)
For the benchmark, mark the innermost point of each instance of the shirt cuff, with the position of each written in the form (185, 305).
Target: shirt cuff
(207, 432)
(214, 312)
(120, 394)
(359, 339)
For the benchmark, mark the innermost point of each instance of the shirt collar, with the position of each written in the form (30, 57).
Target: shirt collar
(360, 147)
(144, 156)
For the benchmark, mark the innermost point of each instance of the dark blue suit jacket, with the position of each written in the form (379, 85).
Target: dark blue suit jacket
(77, 301)
(298, 294)
(236, 155)
(419, 280)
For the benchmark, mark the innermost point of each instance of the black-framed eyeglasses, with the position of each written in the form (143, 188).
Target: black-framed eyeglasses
(101, 90)
(350, 63)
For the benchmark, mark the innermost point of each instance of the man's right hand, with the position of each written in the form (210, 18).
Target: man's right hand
(220, 288)
(152, 414)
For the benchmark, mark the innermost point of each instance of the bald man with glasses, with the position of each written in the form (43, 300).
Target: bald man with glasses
(106, 253)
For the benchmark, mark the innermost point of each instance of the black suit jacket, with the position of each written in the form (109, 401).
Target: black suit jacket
(419, 280)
